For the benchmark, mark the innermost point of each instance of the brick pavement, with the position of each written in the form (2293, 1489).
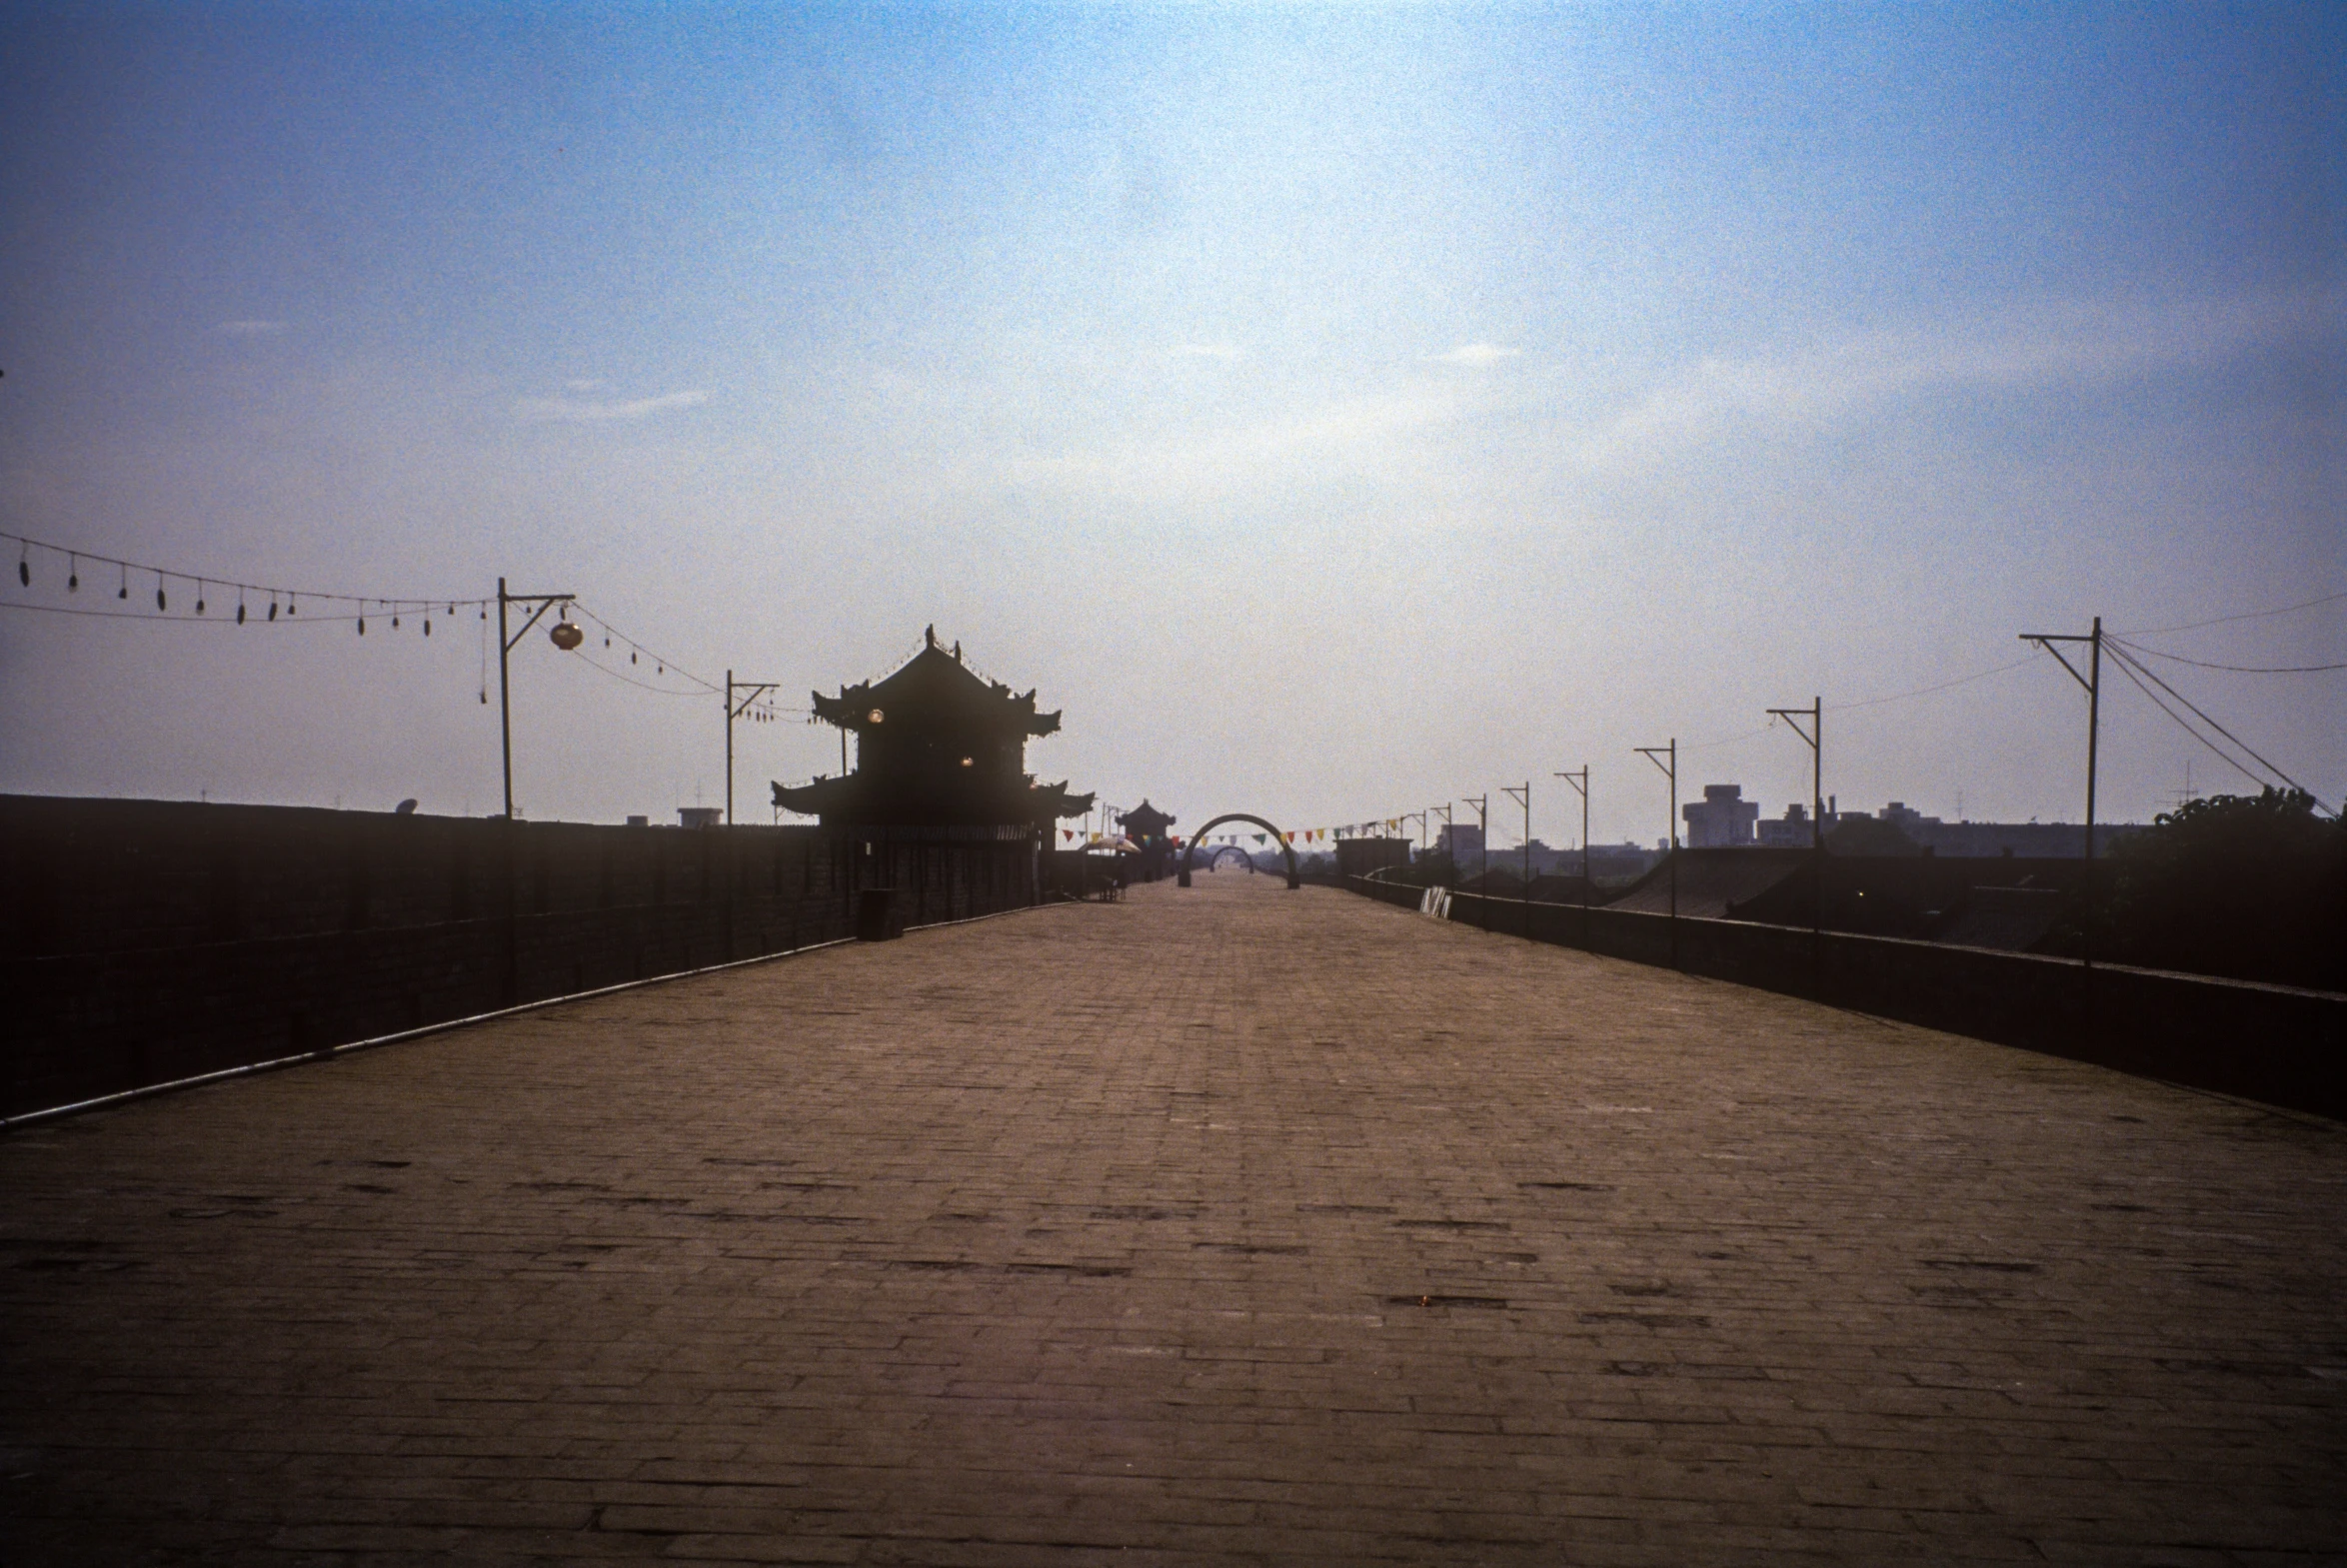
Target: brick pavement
(1234, 1226)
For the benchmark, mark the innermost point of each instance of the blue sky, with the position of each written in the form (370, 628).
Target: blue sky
(1336, 410)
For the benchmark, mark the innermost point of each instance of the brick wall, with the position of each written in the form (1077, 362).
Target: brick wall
(2266, 1042)
(143, 942)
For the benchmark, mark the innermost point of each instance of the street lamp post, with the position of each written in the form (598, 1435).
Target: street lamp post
(2092, 681)
(751, 692)
(1523, 792)
(505, 647)
(1581, 781)
(1482, 806)
(1656, 755)
(1815, 737)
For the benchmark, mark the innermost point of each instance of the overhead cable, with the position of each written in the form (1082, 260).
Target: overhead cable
(2247, 614)
(2130, 662)
(2242, 670)
(2182, 724)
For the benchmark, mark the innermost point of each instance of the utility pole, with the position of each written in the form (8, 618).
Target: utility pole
(1815, 737)
(1523, 792)
(1422, 817)
(2092, 682)
(1482, 806)
(504, 647)
(1580, 781)
(1655, 755)
(751, 692)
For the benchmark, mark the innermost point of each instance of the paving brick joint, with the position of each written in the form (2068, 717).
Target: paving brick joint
(1216, 1227)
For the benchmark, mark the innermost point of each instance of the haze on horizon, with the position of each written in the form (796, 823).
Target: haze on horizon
(1332, 410)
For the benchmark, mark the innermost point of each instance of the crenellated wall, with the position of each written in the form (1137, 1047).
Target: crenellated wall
(145, 941)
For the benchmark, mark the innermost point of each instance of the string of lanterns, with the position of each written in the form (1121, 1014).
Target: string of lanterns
(265, 604)
(186, 596)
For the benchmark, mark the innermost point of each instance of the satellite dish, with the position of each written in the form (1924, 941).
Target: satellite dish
(406, 808)
(566, 636)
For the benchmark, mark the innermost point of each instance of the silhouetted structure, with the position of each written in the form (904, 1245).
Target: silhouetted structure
(935, 747)
(1722, 819)
(1362, 857)
(1145, 826)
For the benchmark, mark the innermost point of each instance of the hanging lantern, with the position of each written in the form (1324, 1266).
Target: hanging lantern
(566, 636)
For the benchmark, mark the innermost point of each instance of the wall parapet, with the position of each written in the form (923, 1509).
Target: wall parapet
(146, 943)
(2275, 1043)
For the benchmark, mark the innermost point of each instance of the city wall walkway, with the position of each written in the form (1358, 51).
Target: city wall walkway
(1229, 1225)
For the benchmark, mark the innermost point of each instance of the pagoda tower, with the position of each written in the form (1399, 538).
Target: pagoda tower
(935, 747)
(1145, 826)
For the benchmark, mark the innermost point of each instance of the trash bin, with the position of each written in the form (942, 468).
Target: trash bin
(871, 914)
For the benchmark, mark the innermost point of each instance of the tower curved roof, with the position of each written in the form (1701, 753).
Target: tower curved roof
(935, 687)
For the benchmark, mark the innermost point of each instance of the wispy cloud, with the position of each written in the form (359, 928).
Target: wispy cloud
(1478, 355)
(1209, 351)
(2017, 352)
(587, 384)
(1355, 439)
(249, 329)
(585, 412)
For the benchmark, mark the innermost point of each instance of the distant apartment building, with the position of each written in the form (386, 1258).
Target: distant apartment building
(1789, 832)
(1722, 819)
(1463, 843)
(2027, 841)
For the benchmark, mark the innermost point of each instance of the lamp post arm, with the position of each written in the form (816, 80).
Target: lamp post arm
(545, 602)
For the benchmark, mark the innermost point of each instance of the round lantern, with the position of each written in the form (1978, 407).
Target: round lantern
(566, 636)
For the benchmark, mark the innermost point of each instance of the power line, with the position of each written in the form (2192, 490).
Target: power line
(2127, 661)
(2178, 719)
(1707, 745)
(2242, 670)
(660, 661)
(2247, 614)
(1871, 701)
(1926, 691)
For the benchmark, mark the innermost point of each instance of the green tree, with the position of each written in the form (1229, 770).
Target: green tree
(1868, 836)
(2252, 887)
